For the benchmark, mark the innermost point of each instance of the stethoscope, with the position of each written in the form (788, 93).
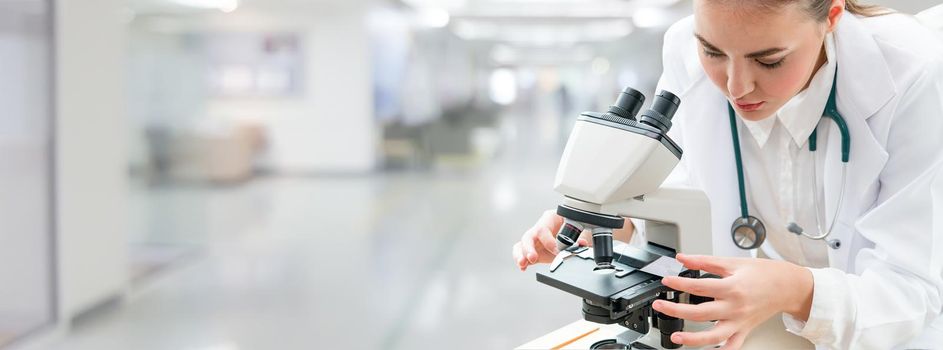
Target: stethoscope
(748, 232)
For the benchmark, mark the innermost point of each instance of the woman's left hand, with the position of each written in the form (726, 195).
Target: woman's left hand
(749, 292)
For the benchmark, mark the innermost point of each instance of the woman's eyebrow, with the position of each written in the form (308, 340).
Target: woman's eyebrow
(757, 54)
(706, 44)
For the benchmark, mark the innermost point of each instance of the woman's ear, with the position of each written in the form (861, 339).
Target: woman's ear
(835, 12)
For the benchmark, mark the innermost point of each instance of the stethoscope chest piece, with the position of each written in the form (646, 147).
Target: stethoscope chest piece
(748, 232)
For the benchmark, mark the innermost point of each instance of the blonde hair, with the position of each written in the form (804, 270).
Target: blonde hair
(852, 6)
(818, 9)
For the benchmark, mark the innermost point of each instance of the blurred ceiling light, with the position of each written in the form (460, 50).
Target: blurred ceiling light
(222, 5)
(556, 9)
(524, 57)
(600, 65)
(433, 18)
(608, 30)
(542, 34)
(469, 30)
(560, 10)
(503, 86)
(448, 4)
(651, 17)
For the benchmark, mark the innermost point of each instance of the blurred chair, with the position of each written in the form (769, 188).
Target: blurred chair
(223, 155)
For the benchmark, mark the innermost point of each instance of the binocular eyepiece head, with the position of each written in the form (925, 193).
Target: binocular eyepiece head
(630, 101)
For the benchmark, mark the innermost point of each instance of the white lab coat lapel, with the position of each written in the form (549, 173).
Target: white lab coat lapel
(708, 144)
(864, 86)
(709, 149)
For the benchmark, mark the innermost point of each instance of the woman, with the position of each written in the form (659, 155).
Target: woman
(763, 71)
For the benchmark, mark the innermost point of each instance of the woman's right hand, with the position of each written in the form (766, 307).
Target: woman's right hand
(539, 245)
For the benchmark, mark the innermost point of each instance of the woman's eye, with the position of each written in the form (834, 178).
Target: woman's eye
(771, 65)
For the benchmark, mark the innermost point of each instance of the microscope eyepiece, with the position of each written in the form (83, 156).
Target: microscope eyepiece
(666, 103)
(663, 109)
(628, 104)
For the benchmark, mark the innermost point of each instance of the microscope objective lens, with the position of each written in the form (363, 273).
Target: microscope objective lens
(568, 235)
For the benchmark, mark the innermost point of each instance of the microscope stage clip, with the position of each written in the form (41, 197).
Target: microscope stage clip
(578, 251)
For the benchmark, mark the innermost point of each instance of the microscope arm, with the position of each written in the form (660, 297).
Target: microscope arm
(676, 218)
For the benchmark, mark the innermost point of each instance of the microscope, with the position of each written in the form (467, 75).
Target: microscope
(613, 167)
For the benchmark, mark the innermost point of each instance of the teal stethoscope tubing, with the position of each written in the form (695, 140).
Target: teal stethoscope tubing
(745, 221)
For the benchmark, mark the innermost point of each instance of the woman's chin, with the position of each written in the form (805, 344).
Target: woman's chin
(755, 116)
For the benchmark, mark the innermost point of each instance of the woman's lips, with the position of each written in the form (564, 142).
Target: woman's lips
(750, 107)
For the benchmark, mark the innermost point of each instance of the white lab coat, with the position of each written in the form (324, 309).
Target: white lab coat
(884, 287)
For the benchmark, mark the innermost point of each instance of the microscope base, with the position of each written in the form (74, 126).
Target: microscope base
(583, 334)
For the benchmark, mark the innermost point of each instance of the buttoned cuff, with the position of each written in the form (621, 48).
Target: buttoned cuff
(826, 291)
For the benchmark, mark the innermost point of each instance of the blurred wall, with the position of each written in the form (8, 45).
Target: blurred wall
(328, 127)
(25, 176)
(91, 163)
(331, 126)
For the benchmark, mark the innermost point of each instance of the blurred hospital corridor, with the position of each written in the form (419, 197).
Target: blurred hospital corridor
(295, 174)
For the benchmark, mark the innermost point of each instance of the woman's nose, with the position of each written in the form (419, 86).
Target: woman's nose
(739, 82)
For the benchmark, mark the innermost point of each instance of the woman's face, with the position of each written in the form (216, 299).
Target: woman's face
(759, 58)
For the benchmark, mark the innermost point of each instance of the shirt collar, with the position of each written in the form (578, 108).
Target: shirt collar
(760, 129)
(801, 114)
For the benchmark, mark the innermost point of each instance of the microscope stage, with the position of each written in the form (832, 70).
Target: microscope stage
(576, 275)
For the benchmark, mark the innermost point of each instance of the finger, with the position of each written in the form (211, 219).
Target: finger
(716, 335)
(544, 256)
(736, 341)
(720, 266)
(705, 287)
(708, 311)
(551, 219)
(527, 245)
(519, 256)
(547, 240)
(587, 236)
(583, 242)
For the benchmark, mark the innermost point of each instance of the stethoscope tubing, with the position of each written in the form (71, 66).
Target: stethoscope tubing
(841, 198)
